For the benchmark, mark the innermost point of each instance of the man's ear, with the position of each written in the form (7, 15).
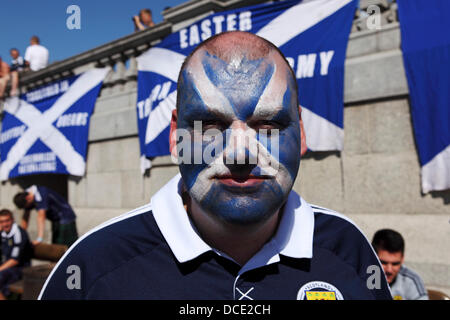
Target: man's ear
(173, 135)
(304, 147)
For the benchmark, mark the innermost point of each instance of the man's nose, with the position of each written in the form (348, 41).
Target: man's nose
(241, 148)
(388, 268)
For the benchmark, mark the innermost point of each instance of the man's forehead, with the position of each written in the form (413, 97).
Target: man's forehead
(239, 82)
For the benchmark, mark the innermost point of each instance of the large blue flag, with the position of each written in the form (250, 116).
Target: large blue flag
(313, 36)
(425, 31)
(46, 130)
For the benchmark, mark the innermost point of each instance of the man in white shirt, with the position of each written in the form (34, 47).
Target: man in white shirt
(36, 56)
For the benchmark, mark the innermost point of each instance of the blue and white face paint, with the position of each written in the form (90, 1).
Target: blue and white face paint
(241, 100)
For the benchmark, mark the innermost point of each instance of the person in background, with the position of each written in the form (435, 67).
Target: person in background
(17, 65)
(49, 205)
(405, 284)
(16, 252)
(144, 20)
(36, 55)
(4, 76)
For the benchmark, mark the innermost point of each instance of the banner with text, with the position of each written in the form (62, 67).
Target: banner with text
(46, 129)
(424, 29)
(313, 36)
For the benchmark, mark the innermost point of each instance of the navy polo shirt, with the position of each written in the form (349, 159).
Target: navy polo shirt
(16, 245)
(56, 207)
(154, 252)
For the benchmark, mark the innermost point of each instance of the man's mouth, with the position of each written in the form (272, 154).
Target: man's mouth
(242, 181)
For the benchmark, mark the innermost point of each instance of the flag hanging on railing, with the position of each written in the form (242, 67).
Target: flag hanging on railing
(425, 35)
(313, 35)
(46, 129)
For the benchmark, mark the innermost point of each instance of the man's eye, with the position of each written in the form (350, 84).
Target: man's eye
(213, 124)
(266, 126)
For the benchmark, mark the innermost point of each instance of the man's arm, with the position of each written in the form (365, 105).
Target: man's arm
(40, 225)
(27, 58)
(137, 23)
(5, 69)
(25, 219)
(9, 264)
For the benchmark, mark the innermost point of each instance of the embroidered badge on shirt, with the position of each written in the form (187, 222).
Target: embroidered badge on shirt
(319, 290)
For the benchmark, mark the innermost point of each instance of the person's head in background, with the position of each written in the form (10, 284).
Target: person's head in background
(390, 248)
(34, 40)
(24, 200)
(145, 15)
(14, 53)
(6, 220)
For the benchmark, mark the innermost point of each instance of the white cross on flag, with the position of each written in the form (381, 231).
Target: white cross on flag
(46, 130)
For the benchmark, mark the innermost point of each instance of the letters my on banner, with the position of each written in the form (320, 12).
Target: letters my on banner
(313, 35)
(46, 130)
(424, 29)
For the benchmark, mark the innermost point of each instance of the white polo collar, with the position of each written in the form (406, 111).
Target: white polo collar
(14, 229)
(294, 237)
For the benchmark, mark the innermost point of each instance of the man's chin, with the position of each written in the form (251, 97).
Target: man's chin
(241, 209)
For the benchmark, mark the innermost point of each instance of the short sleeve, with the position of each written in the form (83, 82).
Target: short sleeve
(41, 199)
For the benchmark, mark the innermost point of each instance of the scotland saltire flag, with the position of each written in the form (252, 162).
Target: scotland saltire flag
(425, 35)
(313, 36)
(46, 130)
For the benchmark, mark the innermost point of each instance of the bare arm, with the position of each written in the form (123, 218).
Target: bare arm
(40, 224)
(9, 264)
(137, 23)
(25, 219)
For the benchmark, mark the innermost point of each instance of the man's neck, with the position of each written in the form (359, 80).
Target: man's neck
(239, 242)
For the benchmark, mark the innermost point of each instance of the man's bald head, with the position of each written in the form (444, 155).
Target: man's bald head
(229, 45)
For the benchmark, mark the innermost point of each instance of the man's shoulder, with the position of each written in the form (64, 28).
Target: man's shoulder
(410, 276)
(410, 284)
(41, 49)
(23, 233)
(330, 224)
(341, 236)
(135, 229)
(106, 247)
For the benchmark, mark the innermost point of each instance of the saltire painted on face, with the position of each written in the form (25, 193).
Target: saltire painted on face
(234, 94)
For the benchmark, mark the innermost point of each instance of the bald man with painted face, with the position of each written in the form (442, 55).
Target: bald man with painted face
(229, 226)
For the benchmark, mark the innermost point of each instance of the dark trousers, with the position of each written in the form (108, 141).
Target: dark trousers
(64, 233)
(9, 276)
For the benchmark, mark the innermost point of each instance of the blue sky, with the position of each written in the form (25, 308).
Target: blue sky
(101, 22)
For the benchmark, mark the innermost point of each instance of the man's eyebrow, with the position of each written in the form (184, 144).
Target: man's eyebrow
(270, 113)
(200, 110)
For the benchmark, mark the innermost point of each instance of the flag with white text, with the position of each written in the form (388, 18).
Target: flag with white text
(46, 129)
(313, 35)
